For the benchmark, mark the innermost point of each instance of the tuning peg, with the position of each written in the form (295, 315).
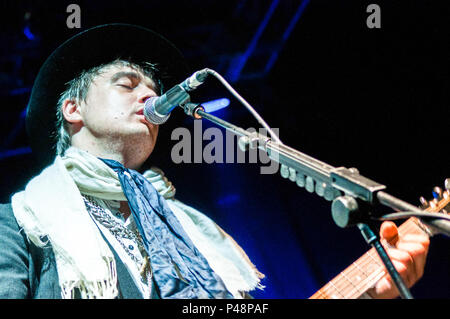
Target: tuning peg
(433, 203)
(437, 193)
(320, 188)
(329, 193)
(284, 171)
(447, 184)
(309, 184)
(424, 202)
(300, 180)
(292, 174)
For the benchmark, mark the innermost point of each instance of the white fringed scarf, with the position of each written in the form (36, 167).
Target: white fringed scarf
(51, 209)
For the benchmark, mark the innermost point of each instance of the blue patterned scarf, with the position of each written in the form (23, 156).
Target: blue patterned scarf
(180, 271)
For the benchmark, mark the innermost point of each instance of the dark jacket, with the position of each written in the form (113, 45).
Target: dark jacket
(28, 271)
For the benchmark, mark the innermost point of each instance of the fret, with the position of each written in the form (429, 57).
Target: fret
(319, 294)
(361, 270)
(364, 268)
(412, 226)
(322, 296)
(369, 279)
(343, 285)
(375, 260)
(375, 269)
(329, 291)
(360, 277)
(368, 272)
(336, 290)
(375, 277)
(351, 282)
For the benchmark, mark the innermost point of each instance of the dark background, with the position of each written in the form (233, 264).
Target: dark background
(375, 99)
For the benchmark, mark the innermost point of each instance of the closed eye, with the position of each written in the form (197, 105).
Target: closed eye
(128, 87)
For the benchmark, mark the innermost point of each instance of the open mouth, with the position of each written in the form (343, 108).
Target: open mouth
(140, 112)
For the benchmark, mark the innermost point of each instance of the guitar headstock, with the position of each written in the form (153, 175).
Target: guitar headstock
(440, 203)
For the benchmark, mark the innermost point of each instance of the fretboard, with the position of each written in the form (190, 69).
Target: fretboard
(360, 276)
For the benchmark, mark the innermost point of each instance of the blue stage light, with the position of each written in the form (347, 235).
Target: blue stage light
(234, 71)
(20, 91)
(28, 33)
(215, 105)
(15, 152)
(229, 199)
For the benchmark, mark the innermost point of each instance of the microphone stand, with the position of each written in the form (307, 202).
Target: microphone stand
(353, 208)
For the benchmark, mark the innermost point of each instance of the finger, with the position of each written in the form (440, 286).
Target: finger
(421, 239)
(417, 246)
(389, 232)
(404, 264)
(386, 288)
(406, 273)
(418, 253)
(383, 289)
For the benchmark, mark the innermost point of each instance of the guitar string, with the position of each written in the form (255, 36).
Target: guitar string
(361, 263)
(370, 275)
(342, 284)
(338, 282)
(365, 260)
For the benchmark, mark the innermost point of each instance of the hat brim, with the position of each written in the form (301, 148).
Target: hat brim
(90, 48)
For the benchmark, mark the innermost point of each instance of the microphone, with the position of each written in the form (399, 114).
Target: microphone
(157, 109)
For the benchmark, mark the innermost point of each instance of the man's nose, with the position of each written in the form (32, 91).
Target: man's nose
(145, 94)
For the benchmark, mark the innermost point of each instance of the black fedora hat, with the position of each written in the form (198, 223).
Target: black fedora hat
(90, 48)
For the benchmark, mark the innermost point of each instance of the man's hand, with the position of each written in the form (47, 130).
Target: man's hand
(408, 254)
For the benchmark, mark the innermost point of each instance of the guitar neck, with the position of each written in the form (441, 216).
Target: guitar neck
(362, 275)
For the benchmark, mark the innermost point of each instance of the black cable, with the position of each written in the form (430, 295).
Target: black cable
(404, 215)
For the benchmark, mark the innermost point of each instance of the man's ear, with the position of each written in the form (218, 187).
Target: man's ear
(71, 112)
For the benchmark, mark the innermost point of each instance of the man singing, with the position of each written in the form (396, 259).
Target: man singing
(97, 222)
